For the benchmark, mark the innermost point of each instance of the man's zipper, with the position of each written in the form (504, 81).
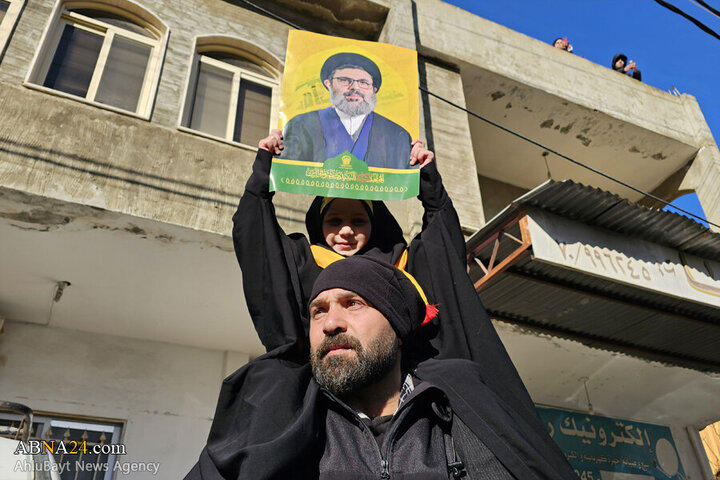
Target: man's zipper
(390, 438)
(385, 474)
(384, 464)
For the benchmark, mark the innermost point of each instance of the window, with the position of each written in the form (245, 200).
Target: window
(230, 95)
(109, 57)
(9, 13)
(100, 436)
(3, 9)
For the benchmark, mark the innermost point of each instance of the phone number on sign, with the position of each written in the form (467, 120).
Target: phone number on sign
(613, 262)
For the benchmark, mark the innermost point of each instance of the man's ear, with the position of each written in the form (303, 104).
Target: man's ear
(374, 89)
(327, 84)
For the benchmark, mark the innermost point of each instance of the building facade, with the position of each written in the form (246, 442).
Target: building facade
(128, 131)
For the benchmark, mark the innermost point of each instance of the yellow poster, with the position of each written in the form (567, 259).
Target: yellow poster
(349, 112)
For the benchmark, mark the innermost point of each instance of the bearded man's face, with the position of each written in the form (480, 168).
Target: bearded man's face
(352, 91)
(352, 344)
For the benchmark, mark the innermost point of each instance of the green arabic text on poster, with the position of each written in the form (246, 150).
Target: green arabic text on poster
(343, 176)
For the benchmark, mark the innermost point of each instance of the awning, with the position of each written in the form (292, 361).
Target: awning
(585, 264)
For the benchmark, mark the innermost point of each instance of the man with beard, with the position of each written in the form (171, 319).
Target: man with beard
(350, 124)
(380, 420)
(370, 403)
(391, 412)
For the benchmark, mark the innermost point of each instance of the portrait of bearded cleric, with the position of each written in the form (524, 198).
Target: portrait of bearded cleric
(350, 123)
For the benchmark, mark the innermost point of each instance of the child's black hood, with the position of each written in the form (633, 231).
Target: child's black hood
(385, 234)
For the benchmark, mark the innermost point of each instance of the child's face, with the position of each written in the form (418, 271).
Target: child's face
(346, 226)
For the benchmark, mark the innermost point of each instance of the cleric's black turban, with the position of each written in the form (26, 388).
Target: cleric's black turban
(351, 60)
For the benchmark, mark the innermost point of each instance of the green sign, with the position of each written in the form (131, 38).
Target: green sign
(602, 448)
(343, 176)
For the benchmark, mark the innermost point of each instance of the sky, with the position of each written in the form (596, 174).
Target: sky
(670, 51)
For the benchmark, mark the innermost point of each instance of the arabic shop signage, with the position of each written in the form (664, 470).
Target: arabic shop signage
(623, 259)
(599, 447)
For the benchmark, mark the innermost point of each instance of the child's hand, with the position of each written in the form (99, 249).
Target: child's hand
(272, 143)
(420, 154)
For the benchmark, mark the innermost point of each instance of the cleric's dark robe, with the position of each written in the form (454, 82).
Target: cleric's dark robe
(267, 415)
(387, 144)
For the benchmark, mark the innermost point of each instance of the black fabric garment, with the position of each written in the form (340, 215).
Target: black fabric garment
(477, 459)
(279, 270)
(621, 56)
(379, 427)
(471, 365)
(268, 416)
(270, 424)
(388, 290)
(411, 448)
(388, 142)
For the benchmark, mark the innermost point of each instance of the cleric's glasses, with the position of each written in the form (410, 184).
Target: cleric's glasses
(347, 82)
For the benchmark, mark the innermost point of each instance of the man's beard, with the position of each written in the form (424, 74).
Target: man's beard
(353, 109)
(343, 374)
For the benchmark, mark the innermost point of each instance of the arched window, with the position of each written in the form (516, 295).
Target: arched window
(231, 90)
(9, 13)
(103, 54)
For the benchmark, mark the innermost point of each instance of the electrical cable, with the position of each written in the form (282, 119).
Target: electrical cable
(694, 20)
(707, 7)
(273, 15)
(561, 155)
(572, 160)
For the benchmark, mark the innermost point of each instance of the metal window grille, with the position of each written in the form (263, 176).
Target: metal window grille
(80, 466)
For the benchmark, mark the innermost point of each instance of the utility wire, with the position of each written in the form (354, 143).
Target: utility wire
(495, 124)
(707, 7)
(694, 20)
(561, 155)
(273, 15)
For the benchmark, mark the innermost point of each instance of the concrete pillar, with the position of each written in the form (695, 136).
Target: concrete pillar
(703, 176)
(399, 30)
(446, 127)
(399, 25)
(453, 145)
